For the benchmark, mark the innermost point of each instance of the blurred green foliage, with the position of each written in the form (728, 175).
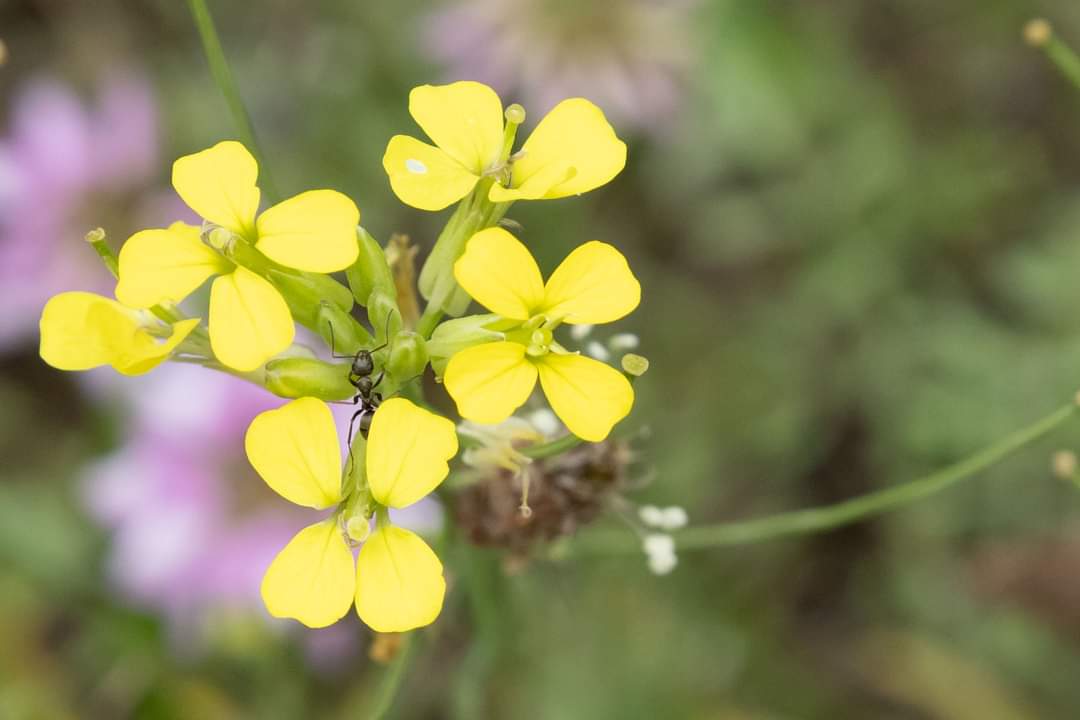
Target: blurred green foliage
(857, 240)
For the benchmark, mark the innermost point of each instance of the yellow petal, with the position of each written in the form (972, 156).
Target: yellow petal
(490, 381)
(465, 119)
(587, 395)
(219, 185)
(407, 450)
(313, 231)
(592, 285)
(249, 320)
(68, 341)
(423, 176)
(500, 274)
(81, 330)
(313, 579)
(399, 581)
(160, 265)
(147, 352)
(295, 450)
(575, 134)
(535, 186)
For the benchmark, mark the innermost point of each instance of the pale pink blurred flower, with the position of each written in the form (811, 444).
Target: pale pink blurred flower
(630, 57)
(63, 164)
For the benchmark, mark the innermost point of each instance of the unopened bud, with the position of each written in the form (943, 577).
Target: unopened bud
(1037, 32)
(383, 314)
(371, 271)
(408, 356)
(307, 377)
(636, 365)
(340, 330)
(1063, 464)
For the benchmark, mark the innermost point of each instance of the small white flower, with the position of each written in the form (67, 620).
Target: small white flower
(660, 553)
(623, 342)
(674, 518)
(597, 351)
(669, 518)
(580, 332)
(651, 515)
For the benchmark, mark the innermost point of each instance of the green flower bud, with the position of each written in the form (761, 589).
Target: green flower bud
(340, 330)
(383, 314)
(304, 292)
(454, 336)
(308, 377)
(408, 356)
(370, 272)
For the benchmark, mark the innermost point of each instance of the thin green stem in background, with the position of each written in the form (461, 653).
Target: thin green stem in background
(219, 68)
(391, 682)
(860, 508)
(555, 447)
(1040, 34)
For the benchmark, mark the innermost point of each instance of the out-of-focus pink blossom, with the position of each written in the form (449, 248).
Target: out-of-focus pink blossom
(630, 57)
(63, 164)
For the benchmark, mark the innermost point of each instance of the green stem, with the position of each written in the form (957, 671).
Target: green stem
(860, 508)
(555, 447)
(1066, 60)
(392, 679)
(219, 68)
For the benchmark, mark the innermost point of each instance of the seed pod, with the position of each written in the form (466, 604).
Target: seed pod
(308, 377)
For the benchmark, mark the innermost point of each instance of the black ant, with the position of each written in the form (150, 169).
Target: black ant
(363, 365)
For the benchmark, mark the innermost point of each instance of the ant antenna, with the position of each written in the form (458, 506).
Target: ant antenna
(333, 352)
(386, 331)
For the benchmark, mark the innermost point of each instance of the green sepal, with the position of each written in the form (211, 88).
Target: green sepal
(453, 336)
(370, 272)
(305, 292)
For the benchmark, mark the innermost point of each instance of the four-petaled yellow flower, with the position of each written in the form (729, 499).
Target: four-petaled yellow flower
(314, 231)
(397, 583)
(571, 151)
(593, 285)
(81, 330)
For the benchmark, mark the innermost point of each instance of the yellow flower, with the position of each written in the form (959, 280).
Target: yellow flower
(249, 321)
(80, 330)
(593, 285)
(397, 583)
(571, 151)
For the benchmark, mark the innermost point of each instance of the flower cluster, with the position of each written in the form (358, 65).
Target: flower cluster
(273, 269)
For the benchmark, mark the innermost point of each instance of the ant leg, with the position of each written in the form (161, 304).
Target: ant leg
(356, 399)
(352, 421)
(378, 379)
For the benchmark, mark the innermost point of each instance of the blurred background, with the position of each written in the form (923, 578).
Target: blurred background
(857, 227)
